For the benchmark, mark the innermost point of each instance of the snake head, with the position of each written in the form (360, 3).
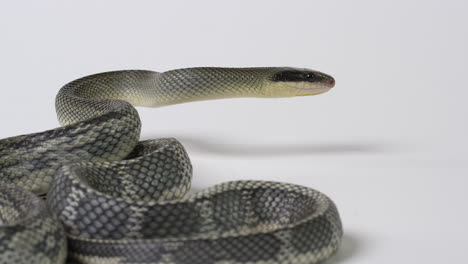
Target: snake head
(288, 82)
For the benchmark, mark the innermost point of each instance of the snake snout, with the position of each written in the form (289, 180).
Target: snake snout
(330, 82)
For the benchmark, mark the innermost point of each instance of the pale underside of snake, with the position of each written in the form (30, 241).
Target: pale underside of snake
(113, 199)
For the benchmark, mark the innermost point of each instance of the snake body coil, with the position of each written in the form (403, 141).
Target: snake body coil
(124, 201)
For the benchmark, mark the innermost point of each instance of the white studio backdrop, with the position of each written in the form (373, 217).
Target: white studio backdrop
(387, 144)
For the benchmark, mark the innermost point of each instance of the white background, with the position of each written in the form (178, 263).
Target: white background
(388, 143)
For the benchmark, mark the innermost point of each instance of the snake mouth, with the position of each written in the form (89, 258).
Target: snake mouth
(308, 88)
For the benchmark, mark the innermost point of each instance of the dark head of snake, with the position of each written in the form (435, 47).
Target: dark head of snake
(299, 82)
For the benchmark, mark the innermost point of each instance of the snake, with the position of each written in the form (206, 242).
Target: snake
(111, 198)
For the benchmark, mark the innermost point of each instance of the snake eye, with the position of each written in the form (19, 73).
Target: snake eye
(311, 77)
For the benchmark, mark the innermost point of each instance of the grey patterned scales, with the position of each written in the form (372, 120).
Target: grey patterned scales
(29, 233)
(124, 201)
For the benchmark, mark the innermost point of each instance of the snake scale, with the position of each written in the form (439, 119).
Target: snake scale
(114, 199)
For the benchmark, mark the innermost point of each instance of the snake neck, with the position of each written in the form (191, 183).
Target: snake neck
(199, 84)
